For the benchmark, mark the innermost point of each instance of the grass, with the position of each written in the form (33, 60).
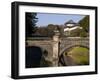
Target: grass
(79, 54)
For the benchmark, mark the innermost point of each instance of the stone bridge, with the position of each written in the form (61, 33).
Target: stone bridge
(52, 48)
(69, 42)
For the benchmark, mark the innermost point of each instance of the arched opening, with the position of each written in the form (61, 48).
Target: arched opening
(33, 56)
(76, 55)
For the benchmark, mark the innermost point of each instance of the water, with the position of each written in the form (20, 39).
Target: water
(33, 56)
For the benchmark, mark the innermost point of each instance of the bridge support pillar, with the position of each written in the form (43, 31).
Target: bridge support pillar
(55, 50)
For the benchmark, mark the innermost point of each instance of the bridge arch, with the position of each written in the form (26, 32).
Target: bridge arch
(33, 56)
(70, 46)
(67, 60)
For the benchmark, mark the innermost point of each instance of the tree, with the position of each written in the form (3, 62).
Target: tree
(31, 20)
(83, 34)
(41, 31)
(50, 29)
(85, 23)
(75, 33)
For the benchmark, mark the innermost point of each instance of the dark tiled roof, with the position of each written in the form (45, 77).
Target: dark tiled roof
(70, 22)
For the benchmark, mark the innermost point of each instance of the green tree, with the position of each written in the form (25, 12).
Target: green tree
(31, 20)
(50, 29)
(75, 33)
(61, 30)
(85, 23)
(83, 33)
(42, 31)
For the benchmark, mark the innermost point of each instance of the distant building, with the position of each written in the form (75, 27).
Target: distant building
(69, 26)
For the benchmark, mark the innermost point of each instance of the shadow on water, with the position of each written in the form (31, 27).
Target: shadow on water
(33, 56)
(66, 60)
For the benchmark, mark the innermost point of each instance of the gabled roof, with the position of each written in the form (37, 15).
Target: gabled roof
(70, 22)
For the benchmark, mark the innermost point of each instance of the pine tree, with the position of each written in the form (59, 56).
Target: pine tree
(31, 20)
(85, 23)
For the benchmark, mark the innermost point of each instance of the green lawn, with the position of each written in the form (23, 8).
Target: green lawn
(79, 54)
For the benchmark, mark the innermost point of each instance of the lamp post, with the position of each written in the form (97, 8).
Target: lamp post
(56, 47)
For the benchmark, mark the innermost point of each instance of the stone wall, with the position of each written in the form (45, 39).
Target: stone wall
(56, 46)
(68, 42)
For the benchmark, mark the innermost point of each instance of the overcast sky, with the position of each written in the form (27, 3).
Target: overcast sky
(47, 18)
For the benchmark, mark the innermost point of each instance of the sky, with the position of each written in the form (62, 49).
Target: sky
(58, 19)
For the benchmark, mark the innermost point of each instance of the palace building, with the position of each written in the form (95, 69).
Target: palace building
(70, 26)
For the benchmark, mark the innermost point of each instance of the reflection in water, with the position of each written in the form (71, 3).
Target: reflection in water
(33, 56)
(74, 56)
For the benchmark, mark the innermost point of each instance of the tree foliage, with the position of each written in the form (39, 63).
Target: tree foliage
(84, 32)
(31, 20)
(41, 31)
(75, 33)
(85, 23)
(50, 29)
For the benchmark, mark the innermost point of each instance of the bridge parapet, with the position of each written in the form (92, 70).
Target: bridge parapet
(69, 42)
(56, 46)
